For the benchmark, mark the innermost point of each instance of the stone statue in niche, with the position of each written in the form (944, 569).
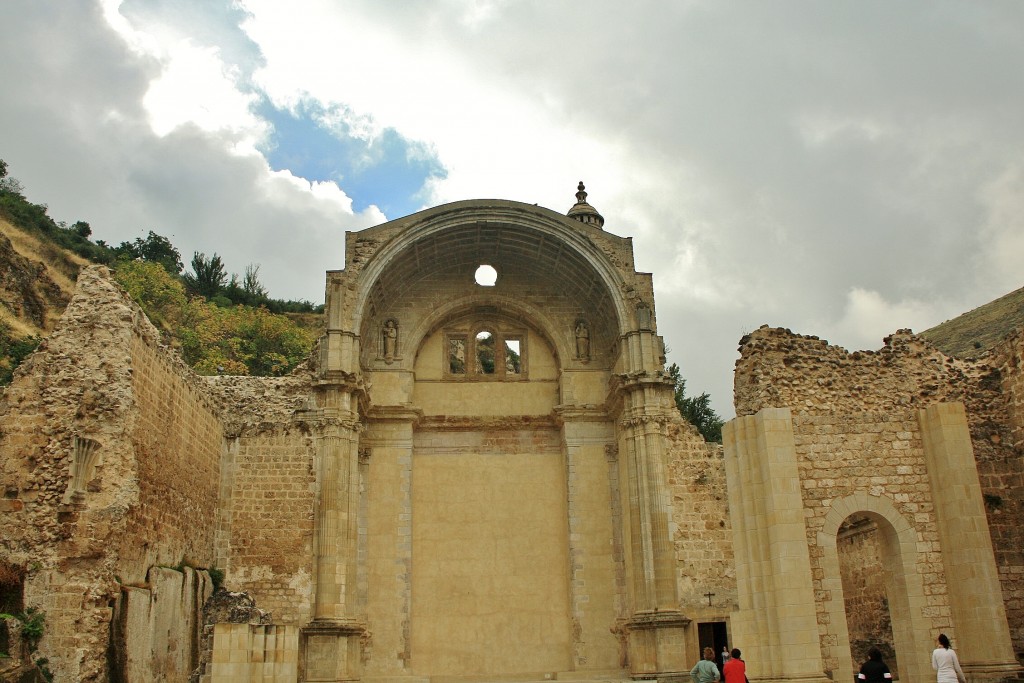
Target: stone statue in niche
(643, 316)
(582, 340)
(389, 334)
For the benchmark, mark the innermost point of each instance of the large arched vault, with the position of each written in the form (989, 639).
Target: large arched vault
(493, 499)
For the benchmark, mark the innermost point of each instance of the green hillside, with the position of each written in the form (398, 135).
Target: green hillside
(218, 322)
(971, 334)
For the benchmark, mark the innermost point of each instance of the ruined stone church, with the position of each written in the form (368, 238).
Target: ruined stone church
(488, 480)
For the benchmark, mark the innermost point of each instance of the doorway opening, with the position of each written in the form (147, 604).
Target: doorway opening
(865, 594)
(713, 634)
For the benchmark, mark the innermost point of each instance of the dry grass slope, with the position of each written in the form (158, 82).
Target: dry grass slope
(37, 278)
(975, 332)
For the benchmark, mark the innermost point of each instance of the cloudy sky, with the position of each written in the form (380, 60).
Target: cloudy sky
(843, 169)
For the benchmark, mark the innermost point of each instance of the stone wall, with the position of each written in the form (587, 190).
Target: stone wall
(702, 533)
(110, 460)
(176, 437)
(1002, 480)
(267, 491)
(266, 532)
(156, 628)
(857, 412)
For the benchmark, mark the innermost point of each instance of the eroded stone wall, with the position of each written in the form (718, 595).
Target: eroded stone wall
(110, 453)
(1002, 481)
(267, 489)
(855, 418)
(176, 438)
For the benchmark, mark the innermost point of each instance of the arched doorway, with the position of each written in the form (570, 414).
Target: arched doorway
(860, 547)
(870, 556)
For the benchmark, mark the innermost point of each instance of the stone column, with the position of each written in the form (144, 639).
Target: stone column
(982, 637)
(655, 629)
(331, 642)
(387, 524)
(777, 620)
(335, 521)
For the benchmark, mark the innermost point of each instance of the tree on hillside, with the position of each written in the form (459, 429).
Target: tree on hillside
(82, 229)
(241, 340)
(208, 276)
(8, 184)
(251, 284)
(697, 409)
(161, 294)
(249, 291)
(155, 248)
(13, 350)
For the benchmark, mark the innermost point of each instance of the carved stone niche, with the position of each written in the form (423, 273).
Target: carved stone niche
(85, 456)
(643, 316)
(331, 651)
(389, 341)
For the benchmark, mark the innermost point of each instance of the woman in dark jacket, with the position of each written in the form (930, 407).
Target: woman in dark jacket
(874, 670)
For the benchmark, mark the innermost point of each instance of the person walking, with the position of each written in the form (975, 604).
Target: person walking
(735, 670)
(945, 662)
(705, 671)
(874, 670)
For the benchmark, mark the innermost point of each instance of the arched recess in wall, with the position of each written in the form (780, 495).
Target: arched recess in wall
(481, 303)
(903, 586)
(524, 243)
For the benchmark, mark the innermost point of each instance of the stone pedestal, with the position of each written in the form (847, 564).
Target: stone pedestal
(656, 644)
(330, 651)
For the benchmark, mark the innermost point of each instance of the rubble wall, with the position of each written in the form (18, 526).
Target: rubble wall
(867, 609)
(110, 454)
(1002, 482)
(857, 412)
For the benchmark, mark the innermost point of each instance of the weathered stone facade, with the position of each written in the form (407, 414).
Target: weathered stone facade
(111, 452)
(465, 480)
(913, 442)
(478, 482)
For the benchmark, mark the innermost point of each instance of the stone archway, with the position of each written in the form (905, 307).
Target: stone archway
(904, 590)
(434, 381)
(794, 479)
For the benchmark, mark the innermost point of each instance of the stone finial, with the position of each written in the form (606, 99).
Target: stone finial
(581, 193)
(584, 212)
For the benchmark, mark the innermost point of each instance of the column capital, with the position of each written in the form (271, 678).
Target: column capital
(651, 619)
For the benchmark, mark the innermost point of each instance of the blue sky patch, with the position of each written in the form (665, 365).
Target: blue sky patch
(315, 143)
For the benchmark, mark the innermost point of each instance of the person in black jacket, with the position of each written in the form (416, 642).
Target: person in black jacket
(874, 670)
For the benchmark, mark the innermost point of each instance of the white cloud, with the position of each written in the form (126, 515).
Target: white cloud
(842, 173)
(197, 88)
(493, 140)
(867, 318)
(1002, 232)
(823, 128)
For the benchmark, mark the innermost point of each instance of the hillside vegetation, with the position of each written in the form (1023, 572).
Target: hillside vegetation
(219, 323)
(975, 332)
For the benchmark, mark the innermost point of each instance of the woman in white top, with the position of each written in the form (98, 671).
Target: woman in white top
(944, 662)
